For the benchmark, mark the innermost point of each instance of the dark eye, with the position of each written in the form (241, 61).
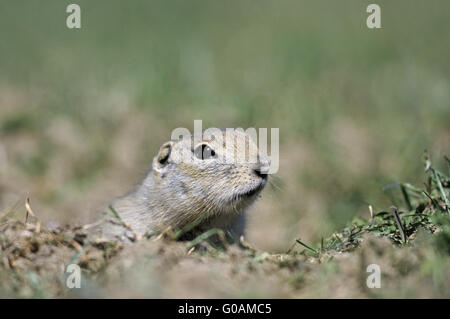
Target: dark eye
(204, 152)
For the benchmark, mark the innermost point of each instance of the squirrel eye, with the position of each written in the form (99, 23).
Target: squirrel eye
(204, 152)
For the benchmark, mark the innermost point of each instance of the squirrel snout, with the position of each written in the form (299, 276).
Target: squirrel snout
(262, 168)
(260, 172)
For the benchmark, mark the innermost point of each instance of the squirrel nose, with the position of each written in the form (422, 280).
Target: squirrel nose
(260, 173)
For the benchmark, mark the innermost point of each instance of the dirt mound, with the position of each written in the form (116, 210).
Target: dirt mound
(34, 264)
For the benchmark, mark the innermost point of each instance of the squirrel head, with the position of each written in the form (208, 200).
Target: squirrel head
(219, 172)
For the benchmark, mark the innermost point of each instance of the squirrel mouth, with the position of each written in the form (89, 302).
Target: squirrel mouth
(251, 192)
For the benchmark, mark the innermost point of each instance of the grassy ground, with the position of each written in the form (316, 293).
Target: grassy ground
(82, 112)
(410, 245)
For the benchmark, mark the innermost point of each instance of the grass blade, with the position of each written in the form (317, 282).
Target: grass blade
(441, 189)
(399, 223)
(306, 246)
(406, 197)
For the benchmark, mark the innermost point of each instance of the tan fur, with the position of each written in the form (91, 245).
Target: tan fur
(176, 192)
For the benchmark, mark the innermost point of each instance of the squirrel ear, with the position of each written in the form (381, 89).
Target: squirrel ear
(160, 161)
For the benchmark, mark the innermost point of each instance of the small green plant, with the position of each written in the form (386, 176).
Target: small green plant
(424, 208)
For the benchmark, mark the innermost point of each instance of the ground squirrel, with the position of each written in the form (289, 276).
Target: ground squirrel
(193, 181)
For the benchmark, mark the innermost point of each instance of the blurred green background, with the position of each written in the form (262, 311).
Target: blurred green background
(82, 112)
